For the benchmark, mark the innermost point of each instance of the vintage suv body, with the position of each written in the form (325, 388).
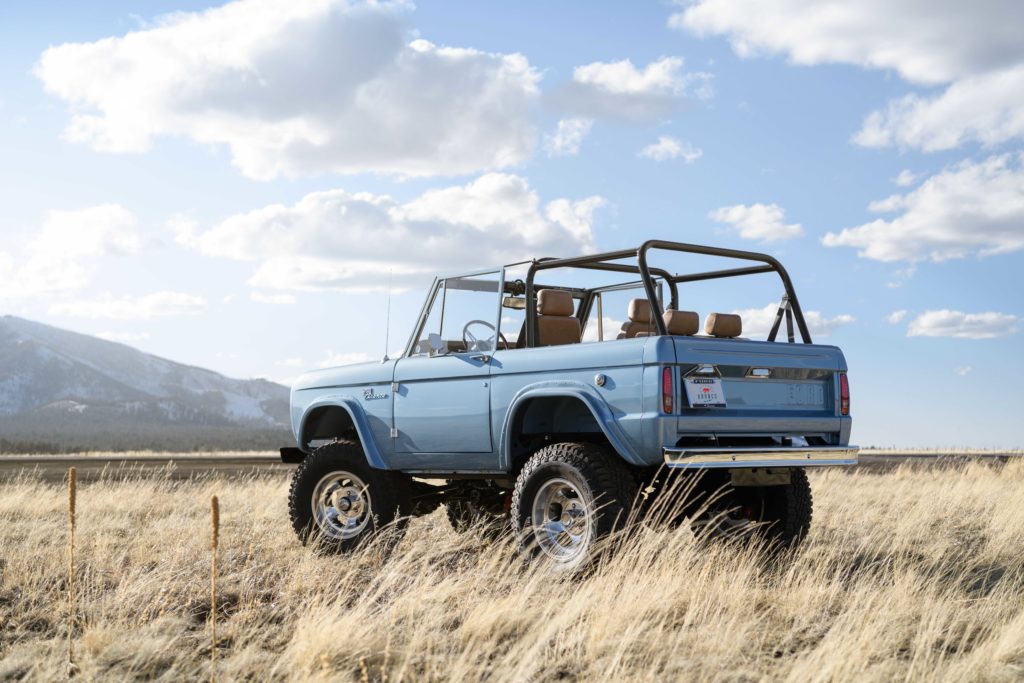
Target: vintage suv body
(512, 401)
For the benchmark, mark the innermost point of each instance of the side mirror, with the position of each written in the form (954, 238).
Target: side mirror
(437, 345)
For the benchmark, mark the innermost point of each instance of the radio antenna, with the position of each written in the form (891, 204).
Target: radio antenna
(387, 320)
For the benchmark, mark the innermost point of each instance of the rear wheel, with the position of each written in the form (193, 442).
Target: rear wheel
(337, 500)
(778, 514)
(567, 497)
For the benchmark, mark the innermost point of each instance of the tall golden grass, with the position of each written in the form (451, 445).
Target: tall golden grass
(214, 545)
(914, 574)
(71, 589)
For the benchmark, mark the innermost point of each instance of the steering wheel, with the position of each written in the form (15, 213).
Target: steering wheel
(473, 342)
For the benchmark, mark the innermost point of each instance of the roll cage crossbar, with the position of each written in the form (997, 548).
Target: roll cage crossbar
(789, 306)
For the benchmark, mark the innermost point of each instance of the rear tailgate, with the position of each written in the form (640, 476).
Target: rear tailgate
(770, 388)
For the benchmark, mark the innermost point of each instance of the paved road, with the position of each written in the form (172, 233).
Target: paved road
(174, 465)
(183, 466)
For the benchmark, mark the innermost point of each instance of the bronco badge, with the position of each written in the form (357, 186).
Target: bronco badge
(371, 395)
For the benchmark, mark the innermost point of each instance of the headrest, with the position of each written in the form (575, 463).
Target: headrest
(684, 323)
(640, 310)
(554, 302)
(726, 325)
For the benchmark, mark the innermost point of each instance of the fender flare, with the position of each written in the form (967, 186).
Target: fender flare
(594, 402)
(374, 458)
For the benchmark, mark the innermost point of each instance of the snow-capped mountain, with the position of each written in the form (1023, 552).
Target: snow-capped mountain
(54, 383)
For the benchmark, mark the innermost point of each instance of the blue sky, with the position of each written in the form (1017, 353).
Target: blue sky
(231, 187)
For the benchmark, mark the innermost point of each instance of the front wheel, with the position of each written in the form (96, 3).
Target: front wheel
(567, 497)
(337, 500)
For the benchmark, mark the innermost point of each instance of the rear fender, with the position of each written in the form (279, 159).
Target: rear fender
(587, 395)
(374, 458)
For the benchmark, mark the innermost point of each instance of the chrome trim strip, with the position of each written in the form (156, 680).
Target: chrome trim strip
(707, 458)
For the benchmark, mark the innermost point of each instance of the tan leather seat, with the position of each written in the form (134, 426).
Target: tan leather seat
(682, 323)
(555, 322)
(640, 322)
(724, 325)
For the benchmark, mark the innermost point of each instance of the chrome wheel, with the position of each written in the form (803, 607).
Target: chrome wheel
(341, 505)
(561, 520)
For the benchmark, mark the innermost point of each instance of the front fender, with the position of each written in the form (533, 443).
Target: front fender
(374, 458)
(599, 408)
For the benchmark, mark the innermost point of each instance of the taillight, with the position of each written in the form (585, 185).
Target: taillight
(844, 395)
(666, 390)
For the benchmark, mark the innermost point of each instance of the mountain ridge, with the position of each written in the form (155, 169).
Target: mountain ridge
(71, 390)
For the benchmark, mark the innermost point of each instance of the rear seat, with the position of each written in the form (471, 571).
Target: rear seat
(641, 323)
(723, 325)
(682, 323)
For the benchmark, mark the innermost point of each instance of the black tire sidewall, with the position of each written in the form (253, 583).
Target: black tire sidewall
(335, 457)
(586, 467)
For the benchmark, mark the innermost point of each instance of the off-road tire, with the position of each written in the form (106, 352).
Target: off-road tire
(782, 513)
(388, 493)
(790, 510)
(603, 481)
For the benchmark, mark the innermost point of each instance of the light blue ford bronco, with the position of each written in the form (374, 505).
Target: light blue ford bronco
(547, 395)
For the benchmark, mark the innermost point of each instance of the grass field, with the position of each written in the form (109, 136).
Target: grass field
(907, 575)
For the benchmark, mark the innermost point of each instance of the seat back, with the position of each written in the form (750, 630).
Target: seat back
(724, 325)
(640, 321)
(682, 323)
(556, 324)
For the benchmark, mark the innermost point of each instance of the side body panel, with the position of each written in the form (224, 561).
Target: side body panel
(618, 402)
(347, 387)
(442, 412)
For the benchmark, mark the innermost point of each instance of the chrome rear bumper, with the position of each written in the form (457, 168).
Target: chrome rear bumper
(706, 458)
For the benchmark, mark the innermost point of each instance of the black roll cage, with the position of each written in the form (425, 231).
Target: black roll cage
(789, 306)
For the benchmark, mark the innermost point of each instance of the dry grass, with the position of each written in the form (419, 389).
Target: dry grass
(908, 575)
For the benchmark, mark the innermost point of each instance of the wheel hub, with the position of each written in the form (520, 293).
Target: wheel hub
(341, 505)
(560, 520)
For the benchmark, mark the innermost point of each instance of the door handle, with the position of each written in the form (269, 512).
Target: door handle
(482, 357)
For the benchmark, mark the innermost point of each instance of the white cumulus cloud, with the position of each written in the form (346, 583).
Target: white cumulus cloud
(974, 48)
(668, 147)
(896, 317)
(620, 90)
(764, 222)
(568, 135)
(969, 208)
(64, 253)
(988, 109)
(946, 323)
(963, 370)
(906, 178)
(360, 241)
(299, 87)
(757, 322)
(155, 305)
(925, 41)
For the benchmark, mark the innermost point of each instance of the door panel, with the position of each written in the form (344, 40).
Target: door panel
(442, 404)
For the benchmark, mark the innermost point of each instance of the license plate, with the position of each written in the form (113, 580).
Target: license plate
(704, 392)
